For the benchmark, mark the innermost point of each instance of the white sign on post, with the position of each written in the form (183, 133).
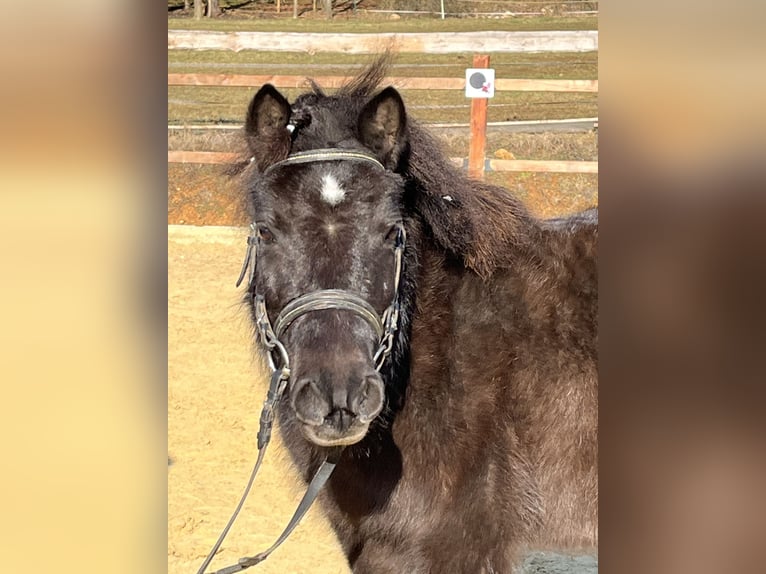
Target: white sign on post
(480, 83)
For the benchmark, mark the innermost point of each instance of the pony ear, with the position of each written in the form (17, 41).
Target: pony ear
(268, 112)
(266, 126)
(382, 123)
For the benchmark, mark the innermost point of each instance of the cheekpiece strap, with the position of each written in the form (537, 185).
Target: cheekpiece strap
(326, 154)
(251, 257)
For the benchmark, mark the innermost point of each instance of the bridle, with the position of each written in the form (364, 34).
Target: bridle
(385, 327)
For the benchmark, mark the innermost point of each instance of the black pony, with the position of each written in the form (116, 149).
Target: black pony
(435, 330)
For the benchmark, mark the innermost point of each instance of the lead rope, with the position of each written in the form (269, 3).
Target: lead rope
(264, 435)
(277, 386)
(315, 487)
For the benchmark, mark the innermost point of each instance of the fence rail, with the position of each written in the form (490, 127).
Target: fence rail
(282, 81)
(429, 43)
(505, 14)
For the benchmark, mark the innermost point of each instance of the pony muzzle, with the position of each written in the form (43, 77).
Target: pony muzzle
(335, 413)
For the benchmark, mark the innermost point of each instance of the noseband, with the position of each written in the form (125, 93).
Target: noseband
(384, 326)
(325, 299)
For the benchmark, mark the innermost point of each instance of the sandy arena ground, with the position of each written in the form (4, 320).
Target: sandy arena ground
(215, 393)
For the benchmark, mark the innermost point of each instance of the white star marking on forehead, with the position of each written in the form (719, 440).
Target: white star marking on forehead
(332, 192)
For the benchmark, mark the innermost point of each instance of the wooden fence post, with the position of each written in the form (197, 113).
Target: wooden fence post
(478, 141)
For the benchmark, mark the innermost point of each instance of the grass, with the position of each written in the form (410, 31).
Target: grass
(570, 65)
(194, 105)
(374, 24)
(191, 104)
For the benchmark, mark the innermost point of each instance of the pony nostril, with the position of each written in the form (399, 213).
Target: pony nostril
(367, 402)
(309, 403)
(340, 419)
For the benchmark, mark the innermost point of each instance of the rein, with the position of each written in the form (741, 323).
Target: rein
(384, 326)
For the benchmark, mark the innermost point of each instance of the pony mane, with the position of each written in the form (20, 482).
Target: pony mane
(482, 224)
(369, 80)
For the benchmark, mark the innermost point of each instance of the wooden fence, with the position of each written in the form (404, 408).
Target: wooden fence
(374, 43)
(430, 43)
(478, 135)
(282, 81)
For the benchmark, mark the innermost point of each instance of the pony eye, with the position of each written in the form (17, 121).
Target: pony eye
(265, 234)
(391, 235)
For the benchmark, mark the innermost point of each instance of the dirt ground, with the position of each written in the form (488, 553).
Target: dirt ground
(202, 195)
(215, 392)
